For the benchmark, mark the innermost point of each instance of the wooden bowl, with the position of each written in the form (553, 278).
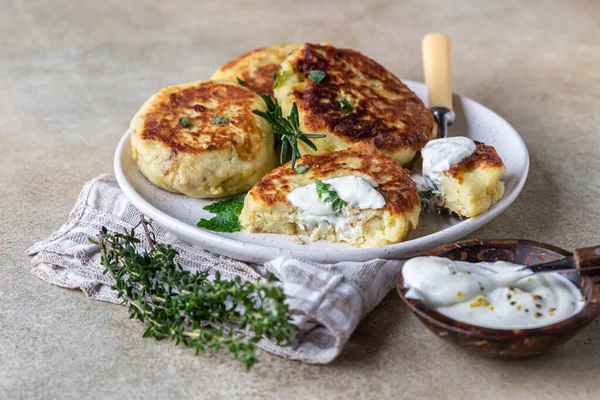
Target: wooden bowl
(507, 343)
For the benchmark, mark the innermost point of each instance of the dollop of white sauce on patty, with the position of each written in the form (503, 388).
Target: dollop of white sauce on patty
(492, 295)
(440, 154)
(420, 181)
(353, 189)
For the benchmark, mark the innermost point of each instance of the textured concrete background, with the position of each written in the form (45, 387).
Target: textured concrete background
(72, 73)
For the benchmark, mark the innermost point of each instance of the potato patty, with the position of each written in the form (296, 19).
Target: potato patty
(267, 209)
(357, 100)
(473, 185)
(201, 139)
(257, 68)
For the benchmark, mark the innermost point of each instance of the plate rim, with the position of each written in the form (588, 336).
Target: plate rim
(259, 251)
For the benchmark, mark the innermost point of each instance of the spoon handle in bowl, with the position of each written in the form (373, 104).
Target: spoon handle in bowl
(587, 257)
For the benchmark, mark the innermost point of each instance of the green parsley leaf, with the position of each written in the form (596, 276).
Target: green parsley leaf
(217, 119)
(241, 82)
(426, 194)
(316, 76)
(333, 199)
(186, 123)
(226, 217)
(277, 79)
(300, 169)
(346, 106)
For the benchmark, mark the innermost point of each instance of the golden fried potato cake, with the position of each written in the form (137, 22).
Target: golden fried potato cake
(351, 98)
(201, 139)
(473, 185)
(467, 187)
(284, 200)
(257, 68)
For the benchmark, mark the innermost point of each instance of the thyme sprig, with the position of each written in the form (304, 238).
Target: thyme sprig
(189, 307)
(286, 129)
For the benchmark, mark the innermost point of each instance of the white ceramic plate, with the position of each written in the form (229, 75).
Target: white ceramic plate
(179, 213)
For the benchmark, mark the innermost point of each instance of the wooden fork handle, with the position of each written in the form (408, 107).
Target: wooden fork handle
(436, 67)
(587, 257)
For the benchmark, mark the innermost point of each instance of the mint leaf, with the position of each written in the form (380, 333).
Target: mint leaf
(226, 217)
(316, 76)
(186, 123)
(333, 199)
(346, 106)
(217, 119)
(300, 169)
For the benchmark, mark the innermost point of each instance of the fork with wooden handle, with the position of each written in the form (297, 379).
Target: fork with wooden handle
(582, 261)
(436, 66)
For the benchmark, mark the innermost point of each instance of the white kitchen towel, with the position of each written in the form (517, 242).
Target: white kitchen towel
(327, 300)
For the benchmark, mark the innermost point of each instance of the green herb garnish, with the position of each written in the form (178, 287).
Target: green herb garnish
(241, 82)
(217, 119)
(316, 76)
(186, 123)
(188, 307)
(272, 75)
(300, 169)
(426, 194)
(226, 217)
(277, 79)
(333, 199)
(346, 106)
(286, 129)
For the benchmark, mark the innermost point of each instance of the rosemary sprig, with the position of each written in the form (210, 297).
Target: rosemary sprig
(188, 307)
(286, 129)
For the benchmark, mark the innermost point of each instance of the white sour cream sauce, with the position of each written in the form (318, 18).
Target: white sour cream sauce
(357, 191)
(439, 155)
(491, 295)
(353, 189)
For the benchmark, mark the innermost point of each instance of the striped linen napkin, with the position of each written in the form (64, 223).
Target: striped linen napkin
(327, 301)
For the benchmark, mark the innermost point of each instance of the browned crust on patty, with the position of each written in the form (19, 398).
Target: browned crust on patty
(484, 157)
(394, 182)
(200, 103)
(261, 82)
(232, 63)
(257, 68)
(386, 113)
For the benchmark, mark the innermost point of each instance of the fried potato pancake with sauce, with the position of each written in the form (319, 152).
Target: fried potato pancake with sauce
(267, 208)
(473, 185)
(357, 100)
(257, 68)
(202, 139)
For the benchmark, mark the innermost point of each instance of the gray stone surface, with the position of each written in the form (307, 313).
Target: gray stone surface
(72, 73)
